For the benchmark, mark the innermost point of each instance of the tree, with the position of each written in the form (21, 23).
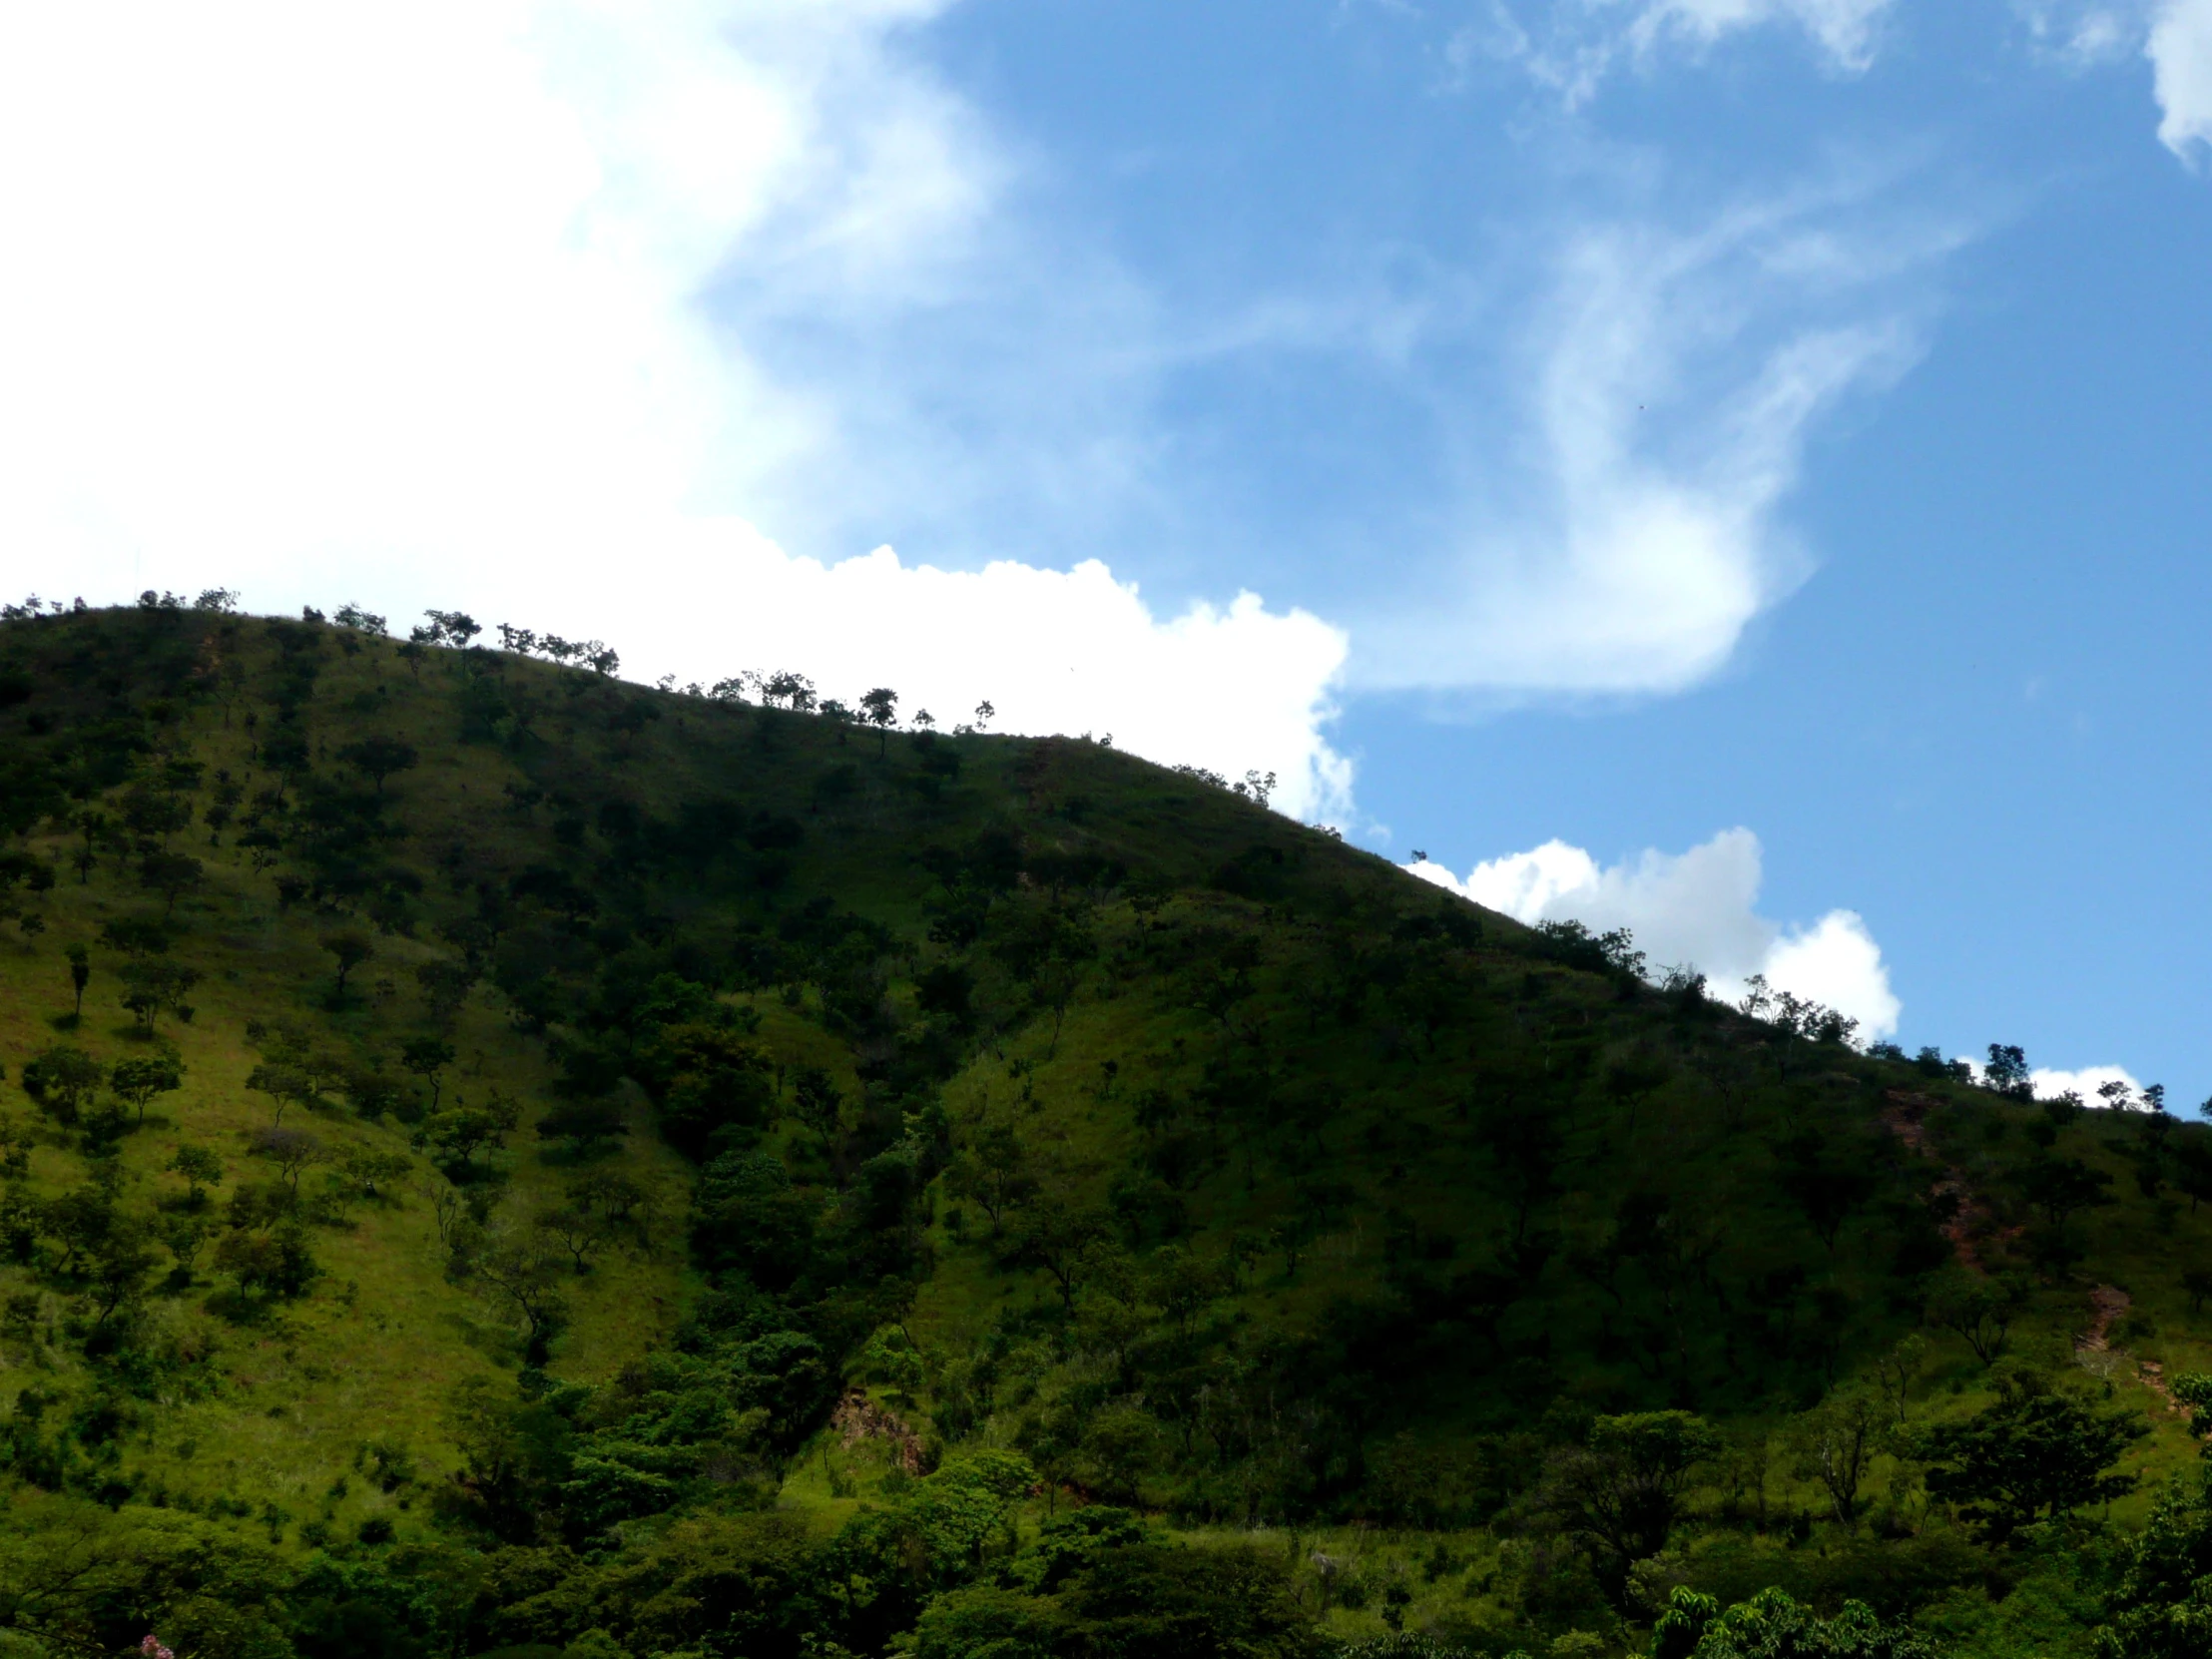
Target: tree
(61, 1081)
(527, 1277)
(378, 758)
(456, 1137)
(427, 1058)
(275, 1262)
(880, 707)
(200, 1168)
(94, 827)
(1899, 1369)
(154, 815)
(454, 628)
(1771, 1625)
(293, 1151)
(2008, 1073)
(370, 1173)
(1067, 1240)
(445, 986)
(1523, 1145)
(172, 875)
(1620, 1494)
(2160, 1608)
(995, 1173)
(2192, 1163)
(285, 1085)
(578, 1230)
(2062, 1187)
(185, 1235)
(151, 988)
(80, 976)
(1837, 1443)
(1826, 1188)
(119, 1264)
(349, 949)
(136, 936)
(1979, 1310)
(2034, 1454)
(137, 1082)
(587, 1126)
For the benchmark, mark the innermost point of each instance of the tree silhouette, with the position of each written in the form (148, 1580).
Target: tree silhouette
(377, 758)
(172, 875)
(80, 976)
(880, 707)
(351, 948)
(152, 988)
(200, 1168)
(139, 1081)
(61, 1080)
(427, 1058)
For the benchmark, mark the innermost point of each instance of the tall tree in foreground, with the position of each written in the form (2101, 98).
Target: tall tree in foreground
(2035, 1455)
(1620, 1494)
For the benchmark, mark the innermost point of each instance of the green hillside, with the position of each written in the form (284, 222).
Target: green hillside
(545, 1164)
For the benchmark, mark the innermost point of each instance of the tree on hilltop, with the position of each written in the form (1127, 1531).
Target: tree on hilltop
(880, 707)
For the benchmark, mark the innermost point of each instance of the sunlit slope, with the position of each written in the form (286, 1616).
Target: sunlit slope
(1067, 1103)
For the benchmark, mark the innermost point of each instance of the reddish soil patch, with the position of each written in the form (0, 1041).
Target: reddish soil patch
(858, 1419)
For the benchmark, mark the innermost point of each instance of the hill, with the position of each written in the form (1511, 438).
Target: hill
(501, 1158)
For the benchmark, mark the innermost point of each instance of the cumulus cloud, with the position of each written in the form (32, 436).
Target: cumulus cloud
(1232, 688)
(1675, 377)
(2050, 1083)
(2174, 35)
(2180, 51)
(1693, 909)
(509, 308)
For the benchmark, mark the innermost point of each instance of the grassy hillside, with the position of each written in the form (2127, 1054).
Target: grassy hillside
(544, 1163)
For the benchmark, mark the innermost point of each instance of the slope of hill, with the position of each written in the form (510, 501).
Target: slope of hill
(504, 1158)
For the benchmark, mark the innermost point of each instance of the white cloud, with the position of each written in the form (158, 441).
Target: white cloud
(1675, 379)
(2180, 51)
(1572, 45)
(504, 307)
(1694, 908)
(2050, 1083)
(1844, 30)
(1232, 688)
(2174, 35)
(2083, 34)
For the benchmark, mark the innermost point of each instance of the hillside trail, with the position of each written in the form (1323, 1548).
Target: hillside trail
(1905, 1113)
(2107, 1305)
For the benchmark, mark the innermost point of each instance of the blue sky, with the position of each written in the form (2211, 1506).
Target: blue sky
(1627, 421)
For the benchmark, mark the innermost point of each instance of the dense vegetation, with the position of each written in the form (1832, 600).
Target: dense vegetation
(502, 1159)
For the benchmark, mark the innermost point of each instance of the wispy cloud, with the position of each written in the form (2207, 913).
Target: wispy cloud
(1573, 46)
(1632, 529)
